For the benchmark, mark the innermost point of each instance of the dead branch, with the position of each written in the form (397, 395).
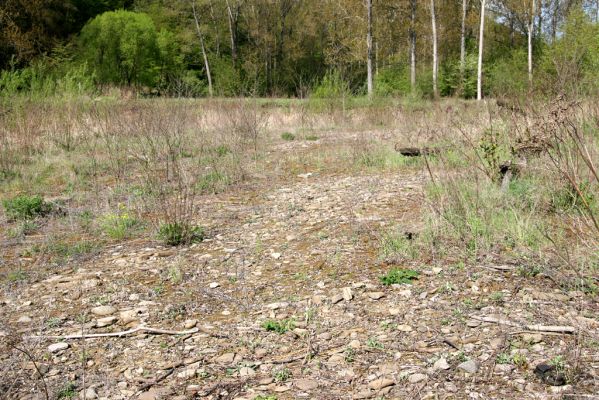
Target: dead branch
(157, 331)
(534, 328)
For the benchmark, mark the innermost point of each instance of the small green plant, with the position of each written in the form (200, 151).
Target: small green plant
(119, 225)
(519, 360)
(24, 228)
(278, 326)
(53, 322)
(503, 358)
(349, 355)
(270, 397)
(68, 391)
(26, 207)
(398, 276)
(559, 363)
(374, 344)
(497, 297)
(282, 375)
(175, 275)
(311, 138)
(178, 233)
(288, 136)
(16, 276)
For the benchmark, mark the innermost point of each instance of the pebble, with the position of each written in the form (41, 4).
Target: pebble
(190, 323)
(336, 298)
(25, 319)
(415, 378)
(214, 285)
(394, 311)
(347, 294)
(88, 394)
(103, 311)
(469, 366)
(376, 295)
(306, 384)
(441, 364)
(381, 383)
(56, 347)
(246, 371)
(106, 321)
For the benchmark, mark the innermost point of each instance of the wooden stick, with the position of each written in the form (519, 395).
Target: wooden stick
(534, 328)
(123, 333)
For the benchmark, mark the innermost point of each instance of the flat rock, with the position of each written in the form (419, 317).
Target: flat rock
(469, 366)
(441, 364)
(306, 384)
(336, 298)
(376, 295)
(246, 371)
(381, 383)
(88, 394)
(190, 323)
(106, 321)
(25, 319)
(347, 294)
(103, 311)
(415, 378)
(53, 348)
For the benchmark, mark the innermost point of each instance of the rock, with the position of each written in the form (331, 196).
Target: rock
(276, 306)
(128, 316)
(226, 358)
(405, 293)
(151, 394)
(437, 270)
(336, 359)
(469, 366)
(325, 336)
(441, 364)
(336, 298)
(25, 319)
(504, 368)
(106, 321)
(260, 353)
(88, 394)
(347, 294)
(276, 256)
(550, 375)
(415, 378)
(404, 328)
(103, 311)
(394, 311)
(190, 323)
(246, 371)
(187, 374)
(354, 344)
(381, 383)
(376, 295)
(214, 285)
(306, 384)
(532, 338)
(56, 347)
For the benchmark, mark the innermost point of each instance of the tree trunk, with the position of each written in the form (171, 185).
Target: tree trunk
(531, 24)
(369, 45)
(435, 55)
(463, 39)
(232, 32)
(413, 45)
(201, 37)
(481, 36)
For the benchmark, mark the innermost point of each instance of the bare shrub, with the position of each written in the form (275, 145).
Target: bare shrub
(246, 121)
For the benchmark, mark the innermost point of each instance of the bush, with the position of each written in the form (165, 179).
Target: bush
(392, 81)
(287, 136)
(26, 207)
(119, 225)
(332, 85)
(279, 326)
(176, 233)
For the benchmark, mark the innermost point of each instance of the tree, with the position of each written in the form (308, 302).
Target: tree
(196, 18)
(481, 37)
(435, 52)
(413, 44)
(369, 48)
(463, 39)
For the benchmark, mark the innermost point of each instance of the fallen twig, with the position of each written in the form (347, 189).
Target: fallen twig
(148, 383)
(534, 328)
(157, 331)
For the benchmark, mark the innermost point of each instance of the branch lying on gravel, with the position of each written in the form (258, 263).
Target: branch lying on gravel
(534, 328)
(129, 332)
(148, 383)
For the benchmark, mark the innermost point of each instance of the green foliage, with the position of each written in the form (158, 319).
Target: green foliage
(399, 276)
(567, 198)
(270, 397)
(452, 82)
(392, 81)
(508, 76)
(68, 391)
(126, 48)
(25, 207)
(120, 225)
(332, 86)
(279, 327)
(395, 243)
(213, 182)
(178, 233)
(288, 136)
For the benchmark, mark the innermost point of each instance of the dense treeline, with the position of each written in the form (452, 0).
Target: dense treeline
(300, 47)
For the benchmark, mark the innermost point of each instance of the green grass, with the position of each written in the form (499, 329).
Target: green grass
(120, 225)
(288, 136)
(25, 207)
(177, 233)
(399, 276)
(279, 327)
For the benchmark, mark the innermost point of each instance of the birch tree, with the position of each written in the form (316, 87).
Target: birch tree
(481, 36)
(435, 53)
(463, 39)
(196, 18)
(530, 30)
(369, 46)
(413, 44)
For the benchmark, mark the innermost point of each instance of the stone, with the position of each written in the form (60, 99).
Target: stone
(88, 394)
(325, 336)
(187, 373)
(106, 321)
(151, 394)
(214, 285)
(469, 366)
(354, 344)
(306, 384)
(103, 311)
(276, 256)
(190, 323)
(415, 378)
(246, 371)
(56, 347)
(336, 298)
(226, 358)
(394, 311)
(404, 328)
(128, 316)
(376, 295)
(347, 294)
(532, 338)
(441, 363)
(381, 383)
(25, 319)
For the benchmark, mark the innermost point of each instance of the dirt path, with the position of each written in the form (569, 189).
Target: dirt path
(304, 253)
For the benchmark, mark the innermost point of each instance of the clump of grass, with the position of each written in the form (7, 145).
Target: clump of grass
(26, 207)
(24, 228)
(398, 276)
(278, 326)
(398, 244)
(119, 226)
(311, 138)
(213, 182)
(288, 136)
(178, 233)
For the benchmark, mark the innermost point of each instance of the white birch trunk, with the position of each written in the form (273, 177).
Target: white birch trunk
(201, 37)
(369, 45)
(435, 55)
(481, 36)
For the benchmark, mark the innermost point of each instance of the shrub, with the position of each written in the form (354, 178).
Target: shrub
(392, 81)
(278, 326)
(26, 207)
(398, 276)
(177, 233)
(119, 225)
(287, 136)
(332, 85)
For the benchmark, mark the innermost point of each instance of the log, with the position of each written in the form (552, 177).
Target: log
(415, 151)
